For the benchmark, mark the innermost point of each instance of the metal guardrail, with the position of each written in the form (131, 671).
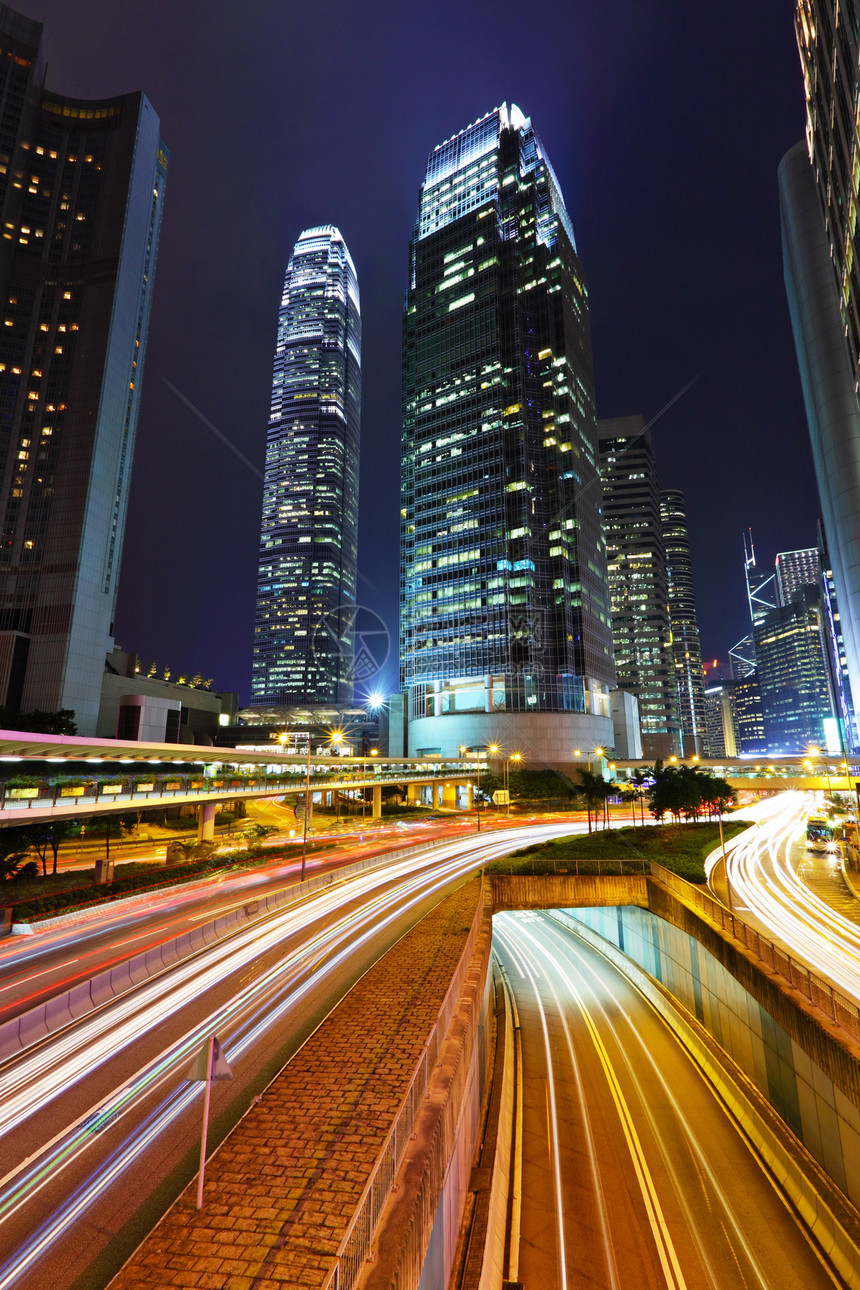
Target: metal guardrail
(820, 993)
(572, 868)
(356, 1243)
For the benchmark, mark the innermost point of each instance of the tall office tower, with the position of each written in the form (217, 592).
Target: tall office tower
(304, 646)
(505, 617)
(638, 583)
(821, 259)
(761, 584)
(796, 569)
(82, 191)
(792, 676)
(749, 718)
(837, 663)
(686, 647)
(721, 720)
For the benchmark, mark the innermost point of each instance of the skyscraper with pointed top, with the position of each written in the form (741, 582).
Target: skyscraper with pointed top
(505, 619)
(306, 586)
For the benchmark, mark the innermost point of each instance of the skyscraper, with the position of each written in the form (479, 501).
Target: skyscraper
(818, 207)
(81, 191)
(686, 647)
(505, 616)
(638, 584)
(792, 676)
(796, 569)
(306, 588)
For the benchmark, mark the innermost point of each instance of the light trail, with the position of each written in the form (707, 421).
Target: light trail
(60, 1062)
(714, 1215)
(763, 878)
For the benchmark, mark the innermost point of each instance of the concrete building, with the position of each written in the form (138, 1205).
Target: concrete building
(304, 633)
(140, 704)
(638, 581)
(505, 615)
(82, 192)
(722, 739)
(818, 207)
(686, 646)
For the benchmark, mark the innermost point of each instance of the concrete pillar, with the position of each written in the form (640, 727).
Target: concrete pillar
(470, 796)
(449, 796)
(413, 794)
(206, 821)
(377, 802)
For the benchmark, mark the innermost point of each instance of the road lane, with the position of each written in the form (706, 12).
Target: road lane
(633, 1175)
(768, 892)
(97, 1118)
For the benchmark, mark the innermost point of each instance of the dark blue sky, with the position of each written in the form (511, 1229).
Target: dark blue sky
(665, 122)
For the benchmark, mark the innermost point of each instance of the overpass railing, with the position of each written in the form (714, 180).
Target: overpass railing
(820, 993)
(88, 792)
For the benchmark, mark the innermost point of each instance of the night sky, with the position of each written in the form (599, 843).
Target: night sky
(665, 123)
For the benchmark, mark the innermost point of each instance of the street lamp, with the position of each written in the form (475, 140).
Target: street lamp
(513, 757)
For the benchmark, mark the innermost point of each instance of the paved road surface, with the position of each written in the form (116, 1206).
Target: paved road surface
(633, 1176)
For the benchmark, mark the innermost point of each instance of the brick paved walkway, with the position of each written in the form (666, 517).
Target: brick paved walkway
(283, 1186)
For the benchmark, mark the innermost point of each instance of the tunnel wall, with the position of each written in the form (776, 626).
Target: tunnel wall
(813, 1105)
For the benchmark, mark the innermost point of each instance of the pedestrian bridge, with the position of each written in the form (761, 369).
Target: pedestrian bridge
(101, 776)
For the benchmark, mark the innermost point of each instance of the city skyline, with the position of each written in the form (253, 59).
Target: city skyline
(623, 117)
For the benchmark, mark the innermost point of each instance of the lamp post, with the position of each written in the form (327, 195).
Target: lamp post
(513, 757)
(307, 807)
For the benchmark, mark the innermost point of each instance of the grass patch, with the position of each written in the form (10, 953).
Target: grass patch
(682, 848)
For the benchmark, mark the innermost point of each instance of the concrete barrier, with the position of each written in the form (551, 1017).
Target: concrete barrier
(34, 1025)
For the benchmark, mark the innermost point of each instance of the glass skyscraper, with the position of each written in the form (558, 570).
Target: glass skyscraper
(306, 588)
(686, 647)
(638, 582)
(505, 618)
(82, 192)
(819, 190)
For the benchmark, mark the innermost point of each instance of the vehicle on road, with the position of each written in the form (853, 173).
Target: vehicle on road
(819, 834)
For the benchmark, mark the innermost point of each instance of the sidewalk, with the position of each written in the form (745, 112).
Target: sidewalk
(282, 1188)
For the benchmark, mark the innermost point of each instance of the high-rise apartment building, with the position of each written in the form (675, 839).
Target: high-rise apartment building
(686, 647)
(81, 193)
(638, 583)
(505, 616)
(818, 183)
(304, 646)
(792, 676)
(796, 569)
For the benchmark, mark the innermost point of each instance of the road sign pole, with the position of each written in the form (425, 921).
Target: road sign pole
(205, 1133)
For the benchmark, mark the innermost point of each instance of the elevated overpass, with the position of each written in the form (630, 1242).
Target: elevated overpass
(763, 775)
(134, 776)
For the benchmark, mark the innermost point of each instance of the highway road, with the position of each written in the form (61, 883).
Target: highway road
(632, 1173)
(766, 869)
(98, 1124)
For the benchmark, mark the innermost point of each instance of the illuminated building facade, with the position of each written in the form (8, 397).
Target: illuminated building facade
(638, 584)
(304, 647)
(796, 569)
(505, 616)
(792, 675)
(686, 647)
(819, 180)
(81, 192)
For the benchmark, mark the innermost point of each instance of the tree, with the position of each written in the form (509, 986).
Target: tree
(642, 779)
(40, 723)
(46, 837)
(13, 853)
(593, 790)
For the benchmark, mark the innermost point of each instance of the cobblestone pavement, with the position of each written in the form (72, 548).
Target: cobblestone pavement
(281, 1189)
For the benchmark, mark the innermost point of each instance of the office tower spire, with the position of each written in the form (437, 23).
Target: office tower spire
(82, 192)
(505, 619)
(306, 589)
